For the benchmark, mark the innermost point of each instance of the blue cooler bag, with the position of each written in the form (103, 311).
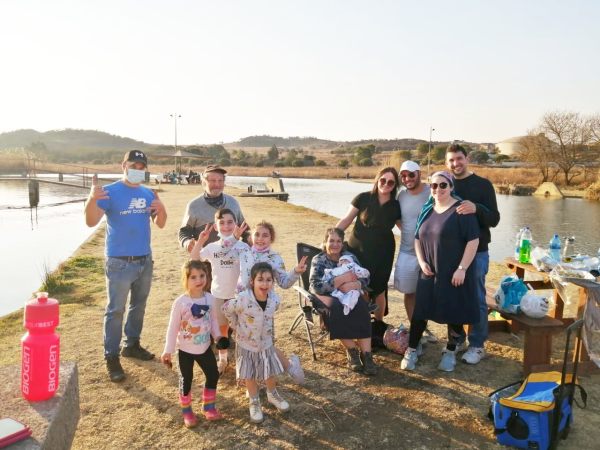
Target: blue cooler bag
(537, 412)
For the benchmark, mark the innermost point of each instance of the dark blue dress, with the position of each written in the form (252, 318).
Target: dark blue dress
(443, 239)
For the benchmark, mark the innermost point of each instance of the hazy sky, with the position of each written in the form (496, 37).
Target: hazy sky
(475, 70)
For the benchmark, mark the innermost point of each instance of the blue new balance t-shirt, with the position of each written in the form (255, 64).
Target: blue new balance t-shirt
(127, 219)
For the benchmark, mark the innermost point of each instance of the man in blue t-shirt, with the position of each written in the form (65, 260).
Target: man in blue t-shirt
(128, 207)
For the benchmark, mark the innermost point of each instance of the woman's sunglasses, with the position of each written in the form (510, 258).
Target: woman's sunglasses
(442, 185)
(390, 183)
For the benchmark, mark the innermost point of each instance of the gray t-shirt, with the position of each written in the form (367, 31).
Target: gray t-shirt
(198, 213)
(410, 205)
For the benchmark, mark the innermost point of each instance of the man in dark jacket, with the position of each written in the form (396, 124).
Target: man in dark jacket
(479, 198)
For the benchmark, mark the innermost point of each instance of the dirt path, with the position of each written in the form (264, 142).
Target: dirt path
(334, 409)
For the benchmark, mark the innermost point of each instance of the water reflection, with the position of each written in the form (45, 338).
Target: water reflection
(59, 230)
(29, 248)
(570, 216)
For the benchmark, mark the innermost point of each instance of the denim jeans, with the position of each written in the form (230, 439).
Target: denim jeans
(479, 332)
(123, 277)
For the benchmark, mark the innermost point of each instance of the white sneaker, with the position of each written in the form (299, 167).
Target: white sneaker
(462, 347)
(295, 370)
(221, 365)
(256, 415)
(420, 348)
(277, 401)
(409, 362)
(473, 355)
(448, 362)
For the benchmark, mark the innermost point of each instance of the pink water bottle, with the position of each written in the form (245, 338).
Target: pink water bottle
(40, 349)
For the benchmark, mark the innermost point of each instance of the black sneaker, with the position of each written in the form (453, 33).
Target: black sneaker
(137, 351)
(115, 371)
(369, 366)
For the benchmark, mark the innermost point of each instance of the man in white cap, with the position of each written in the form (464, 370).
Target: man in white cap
(411, 200)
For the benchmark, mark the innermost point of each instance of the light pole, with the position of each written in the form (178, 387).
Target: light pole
(177, 169)
(431, 130)
(175, 116)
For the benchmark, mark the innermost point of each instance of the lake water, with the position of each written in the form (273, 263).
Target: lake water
(31, 247)
(570, 216)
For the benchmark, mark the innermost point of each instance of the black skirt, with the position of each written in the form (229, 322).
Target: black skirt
(355, 325)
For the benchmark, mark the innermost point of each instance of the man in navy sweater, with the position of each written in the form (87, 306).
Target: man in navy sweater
(480, 199)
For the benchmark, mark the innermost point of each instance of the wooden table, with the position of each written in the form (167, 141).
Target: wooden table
(538, 332)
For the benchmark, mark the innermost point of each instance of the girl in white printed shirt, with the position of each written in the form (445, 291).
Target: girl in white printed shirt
(193, 321)
(251, 314)
(263, 236)
(225, 266)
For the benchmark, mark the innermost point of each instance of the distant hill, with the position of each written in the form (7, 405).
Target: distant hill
(69, 140)
(388, 144)
(292, 141)
(307, 142)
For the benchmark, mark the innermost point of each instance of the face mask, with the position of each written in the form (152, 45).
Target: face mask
(135, 176)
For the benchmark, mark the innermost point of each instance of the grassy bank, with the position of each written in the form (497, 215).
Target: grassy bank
(335, 408)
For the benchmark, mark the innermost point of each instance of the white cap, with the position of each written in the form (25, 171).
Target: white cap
(411, 166)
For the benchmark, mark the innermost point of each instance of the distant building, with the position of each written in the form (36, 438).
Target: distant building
(511, 146)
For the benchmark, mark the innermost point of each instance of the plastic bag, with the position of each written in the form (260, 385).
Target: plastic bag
(562, 275)
(535, 306)
(591, 317)
(509, 294)
(542, 260)
(396, 339)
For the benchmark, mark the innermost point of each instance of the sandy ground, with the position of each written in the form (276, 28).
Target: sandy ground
(334, 409)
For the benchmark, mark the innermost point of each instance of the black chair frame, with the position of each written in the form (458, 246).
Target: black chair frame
(306, 300)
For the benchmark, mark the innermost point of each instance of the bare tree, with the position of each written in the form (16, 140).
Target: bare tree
(539, 151)
(571, 133)
(594, 125)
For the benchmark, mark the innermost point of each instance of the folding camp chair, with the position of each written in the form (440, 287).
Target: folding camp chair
(305, 299)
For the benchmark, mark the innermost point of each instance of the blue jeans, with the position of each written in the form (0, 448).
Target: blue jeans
(123, 277)
(479, 332)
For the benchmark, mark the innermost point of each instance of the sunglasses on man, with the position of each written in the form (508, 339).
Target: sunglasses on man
(408, 175)
(390, 182)
(442, 185)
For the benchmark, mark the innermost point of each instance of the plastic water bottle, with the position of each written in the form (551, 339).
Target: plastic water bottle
(40, 349)
(555, 248)
(518, 244)
(569, 249)
(525, 247)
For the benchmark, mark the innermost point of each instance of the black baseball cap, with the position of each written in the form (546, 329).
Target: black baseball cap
(135, 156)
